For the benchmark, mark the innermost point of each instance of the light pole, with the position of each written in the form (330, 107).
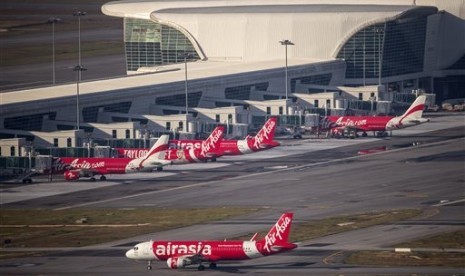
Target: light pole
(78, 69)
(379, 31)
(53, 20)
(286, 42)
(186, 55)
(79, 14)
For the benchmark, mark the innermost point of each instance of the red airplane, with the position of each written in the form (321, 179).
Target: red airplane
(179, 254)
(342, 125)
(263, 140)
(195, 155)
(74, 168)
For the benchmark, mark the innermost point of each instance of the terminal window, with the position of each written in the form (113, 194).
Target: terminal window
(151, 44)
(386, 49)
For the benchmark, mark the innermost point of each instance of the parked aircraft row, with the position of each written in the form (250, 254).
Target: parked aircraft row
(165, 152)
(160, 155)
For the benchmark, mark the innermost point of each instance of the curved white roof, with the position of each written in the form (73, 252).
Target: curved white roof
(251, 30)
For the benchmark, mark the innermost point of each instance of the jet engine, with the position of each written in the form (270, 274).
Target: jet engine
(71, 175)
(178, 262)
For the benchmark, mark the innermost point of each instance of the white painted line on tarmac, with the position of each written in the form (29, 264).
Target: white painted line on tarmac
(448, 202)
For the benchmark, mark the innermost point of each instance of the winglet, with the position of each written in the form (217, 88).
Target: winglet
(253, 237)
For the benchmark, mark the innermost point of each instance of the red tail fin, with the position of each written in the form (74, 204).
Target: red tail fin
(279, 233)
(212, 141)
(266, 133)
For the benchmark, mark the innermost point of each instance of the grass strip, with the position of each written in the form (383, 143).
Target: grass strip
(390, 258)
(454, 240)
(72, 234)
(323, 227)
(42, 53)
(447, 240)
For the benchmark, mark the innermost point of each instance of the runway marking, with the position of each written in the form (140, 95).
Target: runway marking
(449, 202)
(327, 259)
(243, 176)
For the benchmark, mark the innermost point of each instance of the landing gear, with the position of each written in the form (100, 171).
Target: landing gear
(201, 267)
(149, 265)
(103, 178)
(212, 265)
(382, 134)
(159, 169)
(92, 179)
(27, 181)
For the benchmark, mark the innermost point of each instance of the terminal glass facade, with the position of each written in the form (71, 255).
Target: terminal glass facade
(243, 92)
(193, 99)
(151, 44)
(321, 79)
(387, 49)
(31, 122)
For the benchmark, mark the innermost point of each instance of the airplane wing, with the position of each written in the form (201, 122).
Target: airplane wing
(197, 258)
(75, 174)
(83, 171)
(269, 145)
(418, 121)
(354, 128)
(212, 155)
(160, 162)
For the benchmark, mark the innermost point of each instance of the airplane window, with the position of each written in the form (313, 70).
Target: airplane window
(136, 248)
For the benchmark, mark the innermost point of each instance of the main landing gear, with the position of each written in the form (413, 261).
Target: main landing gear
(201, 267)
(149, 265)
(102, 178)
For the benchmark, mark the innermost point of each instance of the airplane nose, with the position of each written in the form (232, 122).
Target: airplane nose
(130, 254)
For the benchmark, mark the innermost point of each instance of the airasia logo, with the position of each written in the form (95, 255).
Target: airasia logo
(182, 249)
(211, 142)
(86, 164)
(58, 165)
(264, 134)
(69, 175)
(185, 145)
(326, 123)
(279, 228)
(348, 122)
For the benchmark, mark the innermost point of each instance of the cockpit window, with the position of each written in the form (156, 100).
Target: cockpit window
(136, 248)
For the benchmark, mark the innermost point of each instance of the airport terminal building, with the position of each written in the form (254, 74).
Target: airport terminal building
(239, 61)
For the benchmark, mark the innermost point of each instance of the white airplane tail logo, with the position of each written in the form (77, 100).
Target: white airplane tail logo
(278, 235)
(266, 133)
(413, 115)
(212, 142)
